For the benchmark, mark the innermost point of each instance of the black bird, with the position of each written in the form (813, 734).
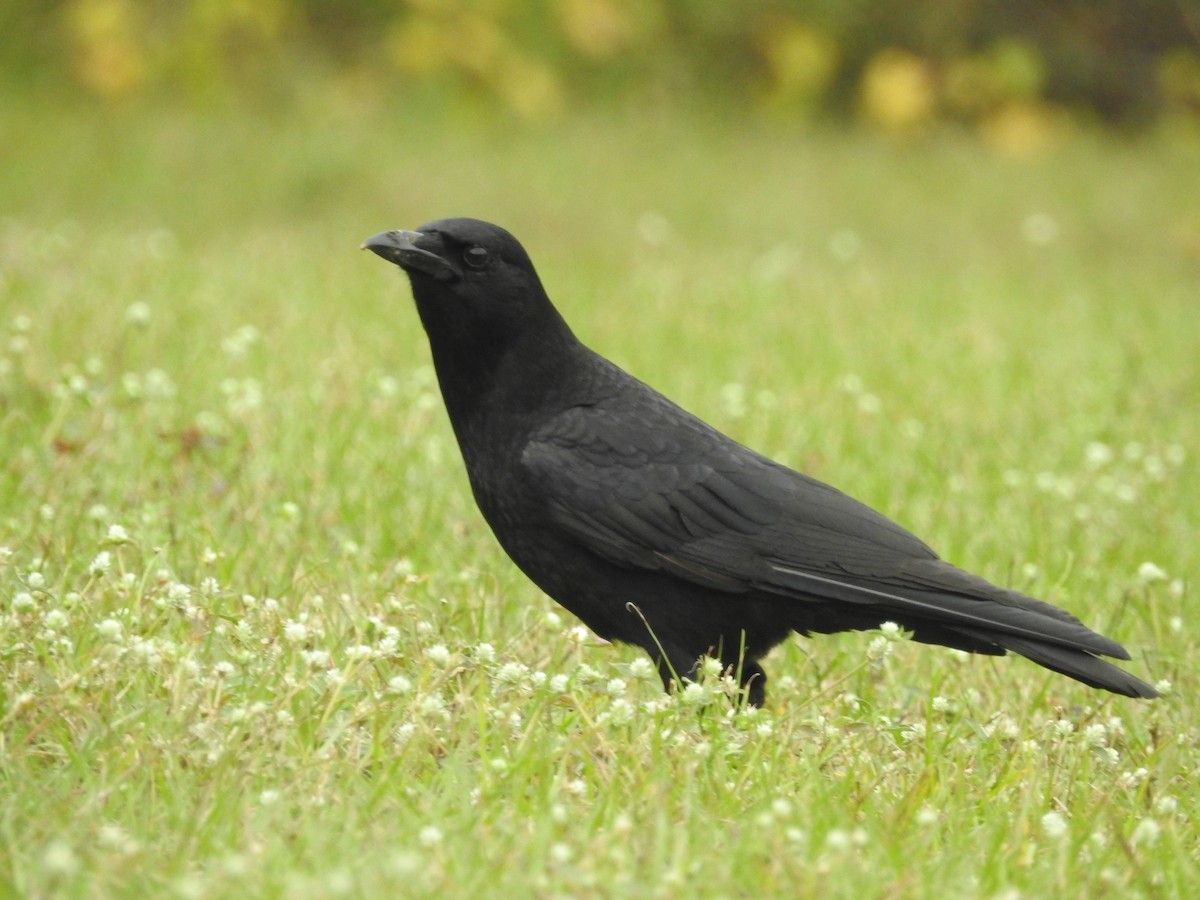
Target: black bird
(653, 527)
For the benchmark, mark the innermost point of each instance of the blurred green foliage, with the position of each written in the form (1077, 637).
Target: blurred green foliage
(1016, 68)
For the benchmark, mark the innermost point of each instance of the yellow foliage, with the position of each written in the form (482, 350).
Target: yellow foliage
(1023, 129)
(1179, 79)
(897, 90)
(1010, 70)
(107, 57)
(475, 42)
(479, 43)
(801, 61)
(419, 46)
(530, 88)
(602, 29)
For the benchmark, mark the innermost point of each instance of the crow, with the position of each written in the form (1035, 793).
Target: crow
(656, 529)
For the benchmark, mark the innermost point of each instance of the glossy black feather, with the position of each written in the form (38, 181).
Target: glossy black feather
(658, 530)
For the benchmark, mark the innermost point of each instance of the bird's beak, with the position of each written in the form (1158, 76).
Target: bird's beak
(400, 248)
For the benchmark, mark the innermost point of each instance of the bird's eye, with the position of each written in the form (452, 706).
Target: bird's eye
(475, 257)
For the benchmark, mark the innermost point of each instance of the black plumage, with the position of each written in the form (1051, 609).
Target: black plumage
(656, 529)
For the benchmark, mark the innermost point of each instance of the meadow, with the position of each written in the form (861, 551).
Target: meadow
(255, 640)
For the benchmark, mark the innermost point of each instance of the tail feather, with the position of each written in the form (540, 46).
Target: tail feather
(1081, 666)
(945, 605)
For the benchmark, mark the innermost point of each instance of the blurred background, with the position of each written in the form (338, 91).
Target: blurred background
(138, 110)
(1016, 71)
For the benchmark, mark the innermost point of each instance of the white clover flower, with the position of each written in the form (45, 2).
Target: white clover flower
(1097, 455)
(101, 565)
(621, 712)
(1148, 572)
(1163, 686)
(1145, 833)
(23, 602)
(210, 587)
(360, 652)
(851, 383)
(224, 669)
(1096, 734)
(943, 704)
(1064, 728)
(577, 634)
(558, 683)
(512, 673)
(640, 668)
(1166, 805)
(616, 687)
(137, 314)
(869, 404)
(59, 860)
(268, 797)
(838, 839)
(295, 632)
(878, 649)
(927, 815)
(237, 344)
(398, 684)
(694, 694)
(110, 629)
(429, 836)
(116, 534)
(1132, 779)
(891, 631)
(553, 620)
(485, 653)
(317, 659)
(432, 705)
(115, 838)
(209, 556)
(560, 852)
(438, 654)
(55, 620)
(158, 385)
(576, 787)
(1054, 825)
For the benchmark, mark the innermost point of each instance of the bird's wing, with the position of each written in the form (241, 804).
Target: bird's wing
(667, 491)
(662, 490)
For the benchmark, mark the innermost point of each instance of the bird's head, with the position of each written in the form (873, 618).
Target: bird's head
(466, 270)
(477, 293)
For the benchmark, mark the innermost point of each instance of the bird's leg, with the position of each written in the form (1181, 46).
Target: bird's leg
(674, 666)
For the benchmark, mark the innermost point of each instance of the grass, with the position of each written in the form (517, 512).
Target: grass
(255, 639)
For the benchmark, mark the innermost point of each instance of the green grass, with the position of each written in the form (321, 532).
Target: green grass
(304, 668)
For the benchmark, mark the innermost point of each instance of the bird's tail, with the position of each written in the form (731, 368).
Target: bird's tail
(942, 604)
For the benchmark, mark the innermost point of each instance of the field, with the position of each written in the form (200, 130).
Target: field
(255, 640)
